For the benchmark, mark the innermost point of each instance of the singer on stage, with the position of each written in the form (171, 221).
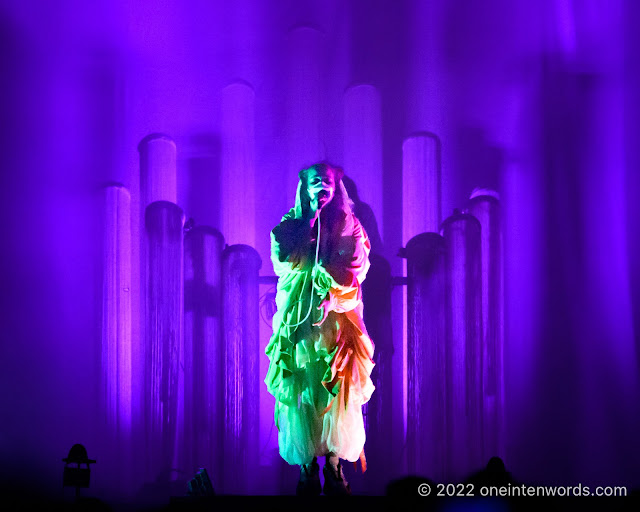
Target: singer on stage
(320, 354)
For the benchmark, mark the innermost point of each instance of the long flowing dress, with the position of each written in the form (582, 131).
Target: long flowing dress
(319, 375)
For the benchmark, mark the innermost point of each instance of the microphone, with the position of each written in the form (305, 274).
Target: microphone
(321, 194)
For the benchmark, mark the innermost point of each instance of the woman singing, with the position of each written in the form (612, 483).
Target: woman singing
(320, 354)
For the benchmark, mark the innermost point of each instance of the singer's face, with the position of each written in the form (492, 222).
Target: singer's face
(321, 184)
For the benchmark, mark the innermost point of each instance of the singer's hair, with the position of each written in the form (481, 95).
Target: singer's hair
(334, 215)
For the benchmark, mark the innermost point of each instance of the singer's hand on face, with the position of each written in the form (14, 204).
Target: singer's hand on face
(321, 188)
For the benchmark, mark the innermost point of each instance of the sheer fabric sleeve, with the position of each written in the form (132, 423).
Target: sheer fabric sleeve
(345, 291)
(288, 244)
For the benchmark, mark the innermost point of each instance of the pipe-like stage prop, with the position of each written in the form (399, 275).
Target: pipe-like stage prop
(240, 266)
(163, 375)
(203, 350)
(486, 208)
(463, 324)
(376, 297)
(427, 394)
(237, 183)
(115, 360)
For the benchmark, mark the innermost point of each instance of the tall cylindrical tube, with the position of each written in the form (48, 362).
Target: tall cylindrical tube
(163, 345)
(421, 185)
(158, 177)
(426, 391)
(486, 208)
(304, 49)
(376, 298)
(116, 327)
(240, 266)
(237, 183)
(463, 324)
(158, 182)
(203, 350)
(363, 145)
(421, 208)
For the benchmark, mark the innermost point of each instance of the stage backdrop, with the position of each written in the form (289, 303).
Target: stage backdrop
(127, 124)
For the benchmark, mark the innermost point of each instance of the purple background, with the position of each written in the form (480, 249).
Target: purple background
(538, 100)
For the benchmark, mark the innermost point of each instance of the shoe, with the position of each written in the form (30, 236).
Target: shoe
(309, 483)
(335, 484)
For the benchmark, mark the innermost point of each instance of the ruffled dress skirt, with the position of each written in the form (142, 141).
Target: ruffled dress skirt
(320, 378)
